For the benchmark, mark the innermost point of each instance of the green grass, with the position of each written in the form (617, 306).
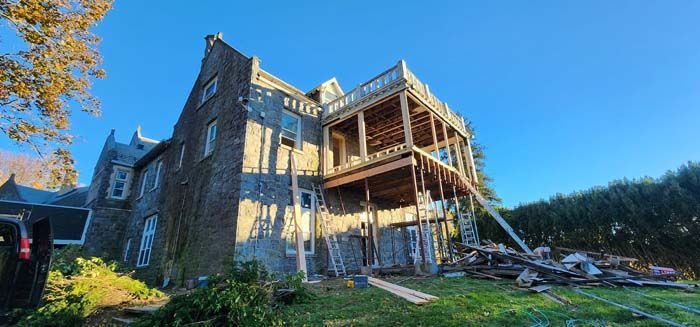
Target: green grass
(473, 302)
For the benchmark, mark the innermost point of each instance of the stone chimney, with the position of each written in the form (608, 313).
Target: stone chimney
(210, 39)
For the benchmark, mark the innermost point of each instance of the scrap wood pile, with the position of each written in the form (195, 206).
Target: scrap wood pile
(573, 267)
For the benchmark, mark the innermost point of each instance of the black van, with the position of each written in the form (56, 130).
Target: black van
(24, 262)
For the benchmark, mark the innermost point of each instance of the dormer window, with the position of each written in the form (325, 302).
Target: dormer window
(139, 146)
(209, 90)
(121, 178)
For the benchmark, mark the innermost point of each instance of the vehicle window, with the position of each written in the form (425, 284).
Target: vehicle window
(7, 235)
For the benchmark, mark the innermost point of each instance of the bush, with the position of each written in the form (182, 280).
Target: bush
(245, 296)
(76, 287)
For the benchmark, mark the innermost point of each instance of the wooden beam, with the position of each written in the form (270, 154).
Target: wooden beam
(447, 143)
(370, 239)
(470, 160)
(326, 156)
(369, 172)
(296, 199)
(458, 147)
(363, 136)
(420, 227)
(406, 116)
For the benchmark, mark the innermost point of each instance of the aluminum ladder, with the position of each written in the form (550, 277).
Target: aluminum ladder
(427, 233)
(467, 228)
(337, 264)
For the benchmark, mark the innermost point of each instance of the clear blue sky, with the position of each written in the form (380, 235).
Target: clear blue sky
(564, 95)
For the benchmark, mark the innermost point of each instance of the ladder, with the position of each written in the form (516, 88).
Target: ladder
(467, 228)
(334, 253)
(439, 241)
(427, 233)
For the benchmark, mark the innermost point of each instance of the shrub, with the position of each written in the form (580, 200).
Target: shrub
(245, 296)
(76, 287)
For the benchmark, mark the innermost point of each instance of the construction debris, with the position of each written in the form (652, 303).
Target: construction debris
(575, 267)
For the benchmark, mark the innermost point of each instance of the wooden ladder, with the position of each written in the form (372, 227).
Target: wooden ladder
(334, 253)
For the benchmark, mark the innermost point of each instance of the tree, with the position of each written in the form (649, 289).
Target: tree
(28, 170)
(51, 73)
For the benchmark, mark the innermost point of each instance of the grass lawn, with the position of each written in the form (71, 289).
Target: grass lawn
(472, 302)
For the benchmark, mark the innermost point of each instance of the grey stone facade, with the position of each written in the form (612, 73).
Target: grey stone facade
(232, 203)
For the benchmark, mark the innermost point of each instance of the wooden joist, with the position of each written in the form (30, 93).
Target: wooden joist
(413, 296)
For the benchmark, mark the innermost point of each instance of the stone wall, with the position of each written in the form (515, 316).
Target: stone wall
(144, 207)
(263, 222)
(201, 203)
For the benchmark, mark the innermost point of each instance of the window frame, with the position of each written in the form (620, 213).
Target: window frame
(210, 144)
(116, 180)
(127, 248)
(213, 81)
(342, 155)
(159, 170)
(149, 234)
(290, 249)
(144, 180)
(297, 141)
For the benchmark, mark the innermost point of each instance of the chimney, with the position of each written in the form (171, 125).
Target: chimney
(210, 39)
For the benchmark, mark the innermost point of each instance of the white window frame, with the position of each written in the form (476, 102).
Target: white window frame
(127, 248)
(144, 180)
(209, 142)
(290, 248)
(159, 169)
(149, 233)
(182, 155)
(212, 82)
(297, 141)
(116, 180)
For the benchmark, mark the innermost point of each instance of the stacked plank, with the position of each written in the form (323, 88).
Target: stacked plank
(413, 296)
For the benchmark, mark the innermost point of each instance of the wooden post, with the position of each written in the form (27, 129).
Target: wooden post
(296, 198)
(439, 176)
(460, 163)
(370, 239)
(447, 144)
(470, 160)
(420, 227)
(363, 136)
(406, 116)
(326, 155)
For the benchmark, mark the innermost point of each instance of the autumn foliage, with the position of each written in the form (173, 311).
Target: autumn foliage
(49, 76)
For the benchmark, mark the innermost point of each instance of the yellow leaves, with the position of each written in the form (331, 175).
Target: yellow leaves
(37, 84)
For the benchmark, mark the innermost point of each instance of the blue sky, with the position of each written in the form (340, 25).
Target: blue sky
(564, 95)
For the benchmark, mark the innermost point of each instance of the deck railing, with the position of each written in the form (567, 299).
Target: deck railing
(396, 74)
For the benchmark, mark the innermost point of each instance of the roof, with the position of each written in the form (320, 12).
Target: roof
(73, 196)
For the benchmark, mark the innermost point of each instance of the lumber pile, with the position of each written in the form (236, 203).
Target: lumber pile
(413, 296)
(570, 267)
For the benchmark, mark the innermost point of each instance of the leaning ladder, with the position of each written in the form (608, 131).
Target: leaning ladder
(467, 228)
(426, 228)
(334, 253)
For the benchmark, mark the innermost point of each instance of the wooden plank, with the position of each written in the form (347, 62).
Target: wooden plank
(639, 312)
(326, 155)
(296, 198)
(386, 285)
(369, 172)
(408, 297)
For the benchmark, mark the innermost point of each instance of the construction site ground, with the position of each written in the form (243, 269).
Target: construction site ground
(467, 301)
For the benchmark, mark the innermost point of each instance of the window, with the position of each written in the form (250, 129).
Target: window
(307, 222)
(209, 90)
(127, 248)
(121, 177)
(291, 130)
(211, 138)
(144, 179)
(149, 231)
(182, 155)
(159, 169)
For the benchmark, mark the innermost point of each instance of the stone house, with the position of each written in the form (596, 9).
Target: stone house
(219, 189)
